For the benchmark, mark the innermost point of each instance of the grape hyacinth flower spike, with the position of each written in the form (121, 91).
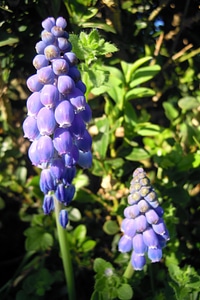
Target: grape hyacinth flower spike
(144, 230)
(57, 117)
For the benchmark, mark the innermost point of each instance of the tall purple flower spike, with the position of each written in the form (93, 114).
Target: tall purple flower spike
(57, 116)
(145, 233)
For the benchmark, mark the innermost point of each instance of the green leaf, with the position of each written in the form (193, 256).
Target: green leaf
(140, 92)
(99, 25)
(100, 265)
(128, 68)
(9, 41)
(101, 141)
(88, 245)
(170, 111)
(125, 292)
(37, 239)
(80, 181)
(137, 154)
(80, 233)
(144, 74)
(147, 129)
(74, 214)
(100, 284)
(188, 103)
(111, 227)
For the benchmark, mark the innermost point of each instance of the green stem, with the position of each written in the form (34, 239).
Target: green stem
(65, 253)
(129, 271)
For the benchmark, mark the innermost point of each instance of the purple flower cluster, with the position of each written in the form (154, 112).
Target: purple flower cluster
(57, 116)
(143, 227)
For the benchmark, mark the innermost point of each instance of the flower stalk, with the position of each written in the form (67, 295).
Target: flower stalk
(65, 252)
(129, 271)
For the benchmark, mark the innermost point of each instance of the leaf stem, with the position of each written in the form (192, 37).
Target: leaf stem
(65, 253)
(129, 271)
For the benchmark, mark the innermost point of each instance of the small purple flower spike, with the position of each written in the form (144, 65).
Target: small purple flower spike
(145, 233)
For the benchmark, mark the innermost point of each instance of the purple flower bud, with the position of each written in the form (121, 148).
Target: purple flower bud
(33, 154)
(86, 114)
(77, 127)
(160, 227)
(49, 95)
(151, 216)
(57, 31)
(48, 204)
(144, 181)
(135, 187)
(40, 61)
(65, 193)
(45, 149)
(47, 37)
(70, 191)
(128, 227)
(46, 121)
(34, 84)
(72, 157)
(47, 182)
(134, 198)
(131, 212)
(154, 204)
(51, 52)
(151, 196)
(64, 114)
(40, 46)
(125, 244)
(34, 104)
(62, 140)
(159, 210)
(74, 73)
(30, 128)
(69, 175)
(46, 75)
(60, 66)
(85, 143)
(71, 58)
(63, 44)
(150, 238)
(48, 23)
(65, 84)
(58, 168)
(77, 99)
(141, 223)
(163, 240)
(143, 206)
(81, 86)
(138, 261)
(154, 254)
(85, 159)
(63, 218)
(139, 171)
(61, 22)
(138, 244)
(144, 191)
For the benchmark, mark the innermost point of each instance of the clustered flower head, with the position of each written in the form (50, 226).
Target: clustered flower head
(145, 233)
(57, 116)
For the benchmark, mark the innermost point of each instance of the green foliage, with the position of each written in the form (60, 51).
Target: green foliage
(37, 284)
(108, 284)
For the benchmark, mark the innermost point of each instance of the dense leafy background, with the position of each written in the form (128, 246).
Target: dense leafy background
(140, 61)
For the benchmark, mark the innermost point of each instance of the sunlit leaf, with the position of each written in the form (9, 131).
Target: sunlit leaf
(111, 227)
(140, 92)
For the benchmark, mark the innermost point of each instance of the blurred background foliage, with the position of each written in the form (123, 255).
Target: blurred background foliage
(140, 61)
